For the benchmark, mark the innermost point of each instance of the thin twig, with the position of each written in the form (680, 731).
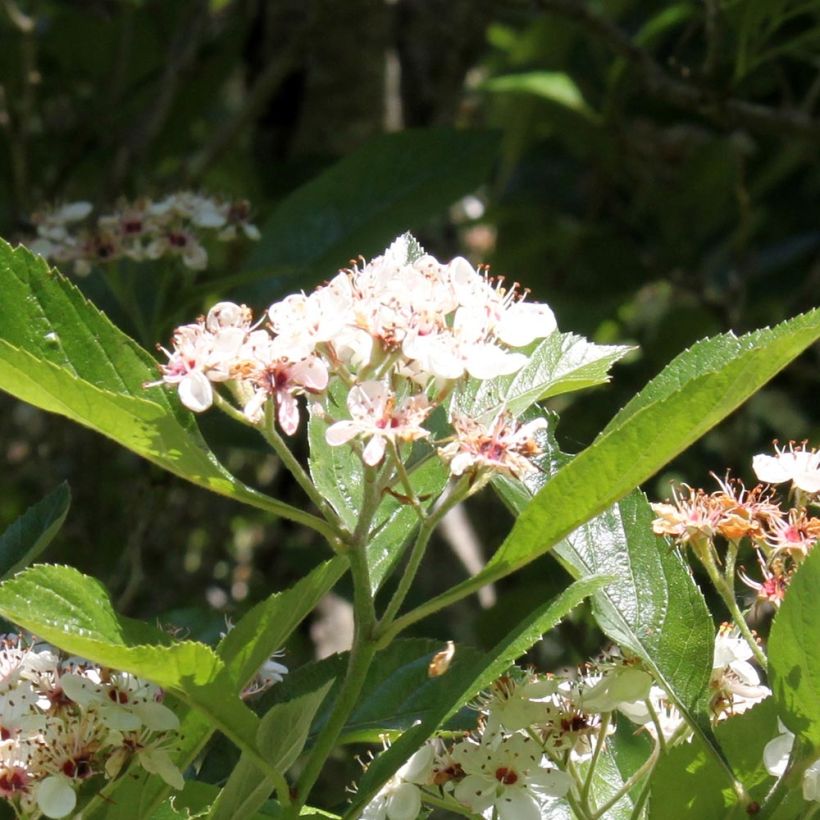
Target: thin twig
(723, 110)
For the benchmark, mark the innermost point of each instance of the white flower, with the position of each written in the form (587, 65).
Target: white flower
(502, 446)
(776, 756)
(618, 684)
(509, 780)
(669, 718)
(400, 797)
(375, 415)
(515, 705)
(795, 464)
(735, 682)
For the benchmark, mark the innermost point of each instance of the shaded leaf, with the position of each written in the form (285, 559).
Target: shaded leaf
(24, 539)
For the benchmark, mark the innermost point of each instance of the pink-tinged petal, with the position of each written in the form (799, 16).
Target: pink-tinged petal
(287, 412)
(461, 463)
(374, 452)
(195, 391)
(341, 432)
(311, 374)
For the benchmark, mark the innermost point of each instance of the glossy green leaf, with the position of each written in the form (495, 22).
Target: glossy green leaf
(358, 206)
(561, 363)
(59, 353)
(466, 678)
(24, 539)
(688, 783)
(281, 737)
(698, 389)
(794, 662)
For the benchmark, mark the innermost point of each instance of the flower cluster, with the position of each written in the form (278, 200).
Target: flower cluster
(536, 734)
(780, 532)
(64, 720)
(398, 335)
(142, 229)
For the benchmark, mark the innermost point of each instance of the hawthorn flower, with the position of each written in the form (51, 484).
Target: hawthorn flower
(776, 756)
(375, 415)
(735, 682)
(509, 780)
(272, 374)
(693, 514)
(669, 719)
(515, 704)
(795, 534)
(795, 463)
(400, 797)
(502, 446)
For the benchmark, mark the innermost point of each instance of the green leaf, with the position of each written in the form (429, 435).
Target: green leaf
(59, 353)
(282, 735)
(794, 662)
(688, 783)
(269, 624)
(698, 389)
(392, 183)
(338, 474)
(561, 363)
(32, 532)
(656, 610)
(555, 86)
(467, 677)
(264, 629)
(73, 612)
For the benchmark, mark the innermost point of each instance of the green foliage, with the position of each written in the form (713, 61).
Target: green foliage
(698, 389)
(465, 679)
(360, 204)
(794, 662)
(26, 538)
(59, 353)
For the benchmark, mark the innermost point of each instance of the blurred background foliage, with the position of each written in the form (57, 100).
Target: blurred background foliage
(650, 170)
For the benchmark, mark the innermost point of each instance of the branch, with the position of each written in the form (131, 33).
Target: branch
(725, 111)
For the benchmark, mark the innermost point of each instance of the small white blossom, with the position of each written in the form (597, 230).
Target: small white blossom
(776, 756)
(795, 463)
(400, 797)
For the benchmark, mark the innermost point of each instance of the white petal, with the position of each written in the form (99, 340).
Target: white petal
(811, 782)
(156, 716)
(341, 432)
(195, 391)
(374, 452)
(516, 804)
(476, 792)
(74, 211)
(404, 803)
(486, 361)
(770, 469)
(524, 322)
(80, 689)
(552, 782)
(158, 761)
(776, 753)
(55, 796)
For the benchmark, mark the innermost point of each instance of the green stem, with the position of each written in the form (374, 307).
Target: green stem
(726, 591)
(646, 767)
(447, 805)
(650, 707)
(362, 652)
(293, 466)
(600, 739)
(431, 521)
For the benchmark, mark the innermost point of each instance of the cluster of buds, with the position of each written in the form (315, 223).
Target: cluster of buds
(781, 532)
(536, 732)
(64, 720)
(140, 230)
(398, 335)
